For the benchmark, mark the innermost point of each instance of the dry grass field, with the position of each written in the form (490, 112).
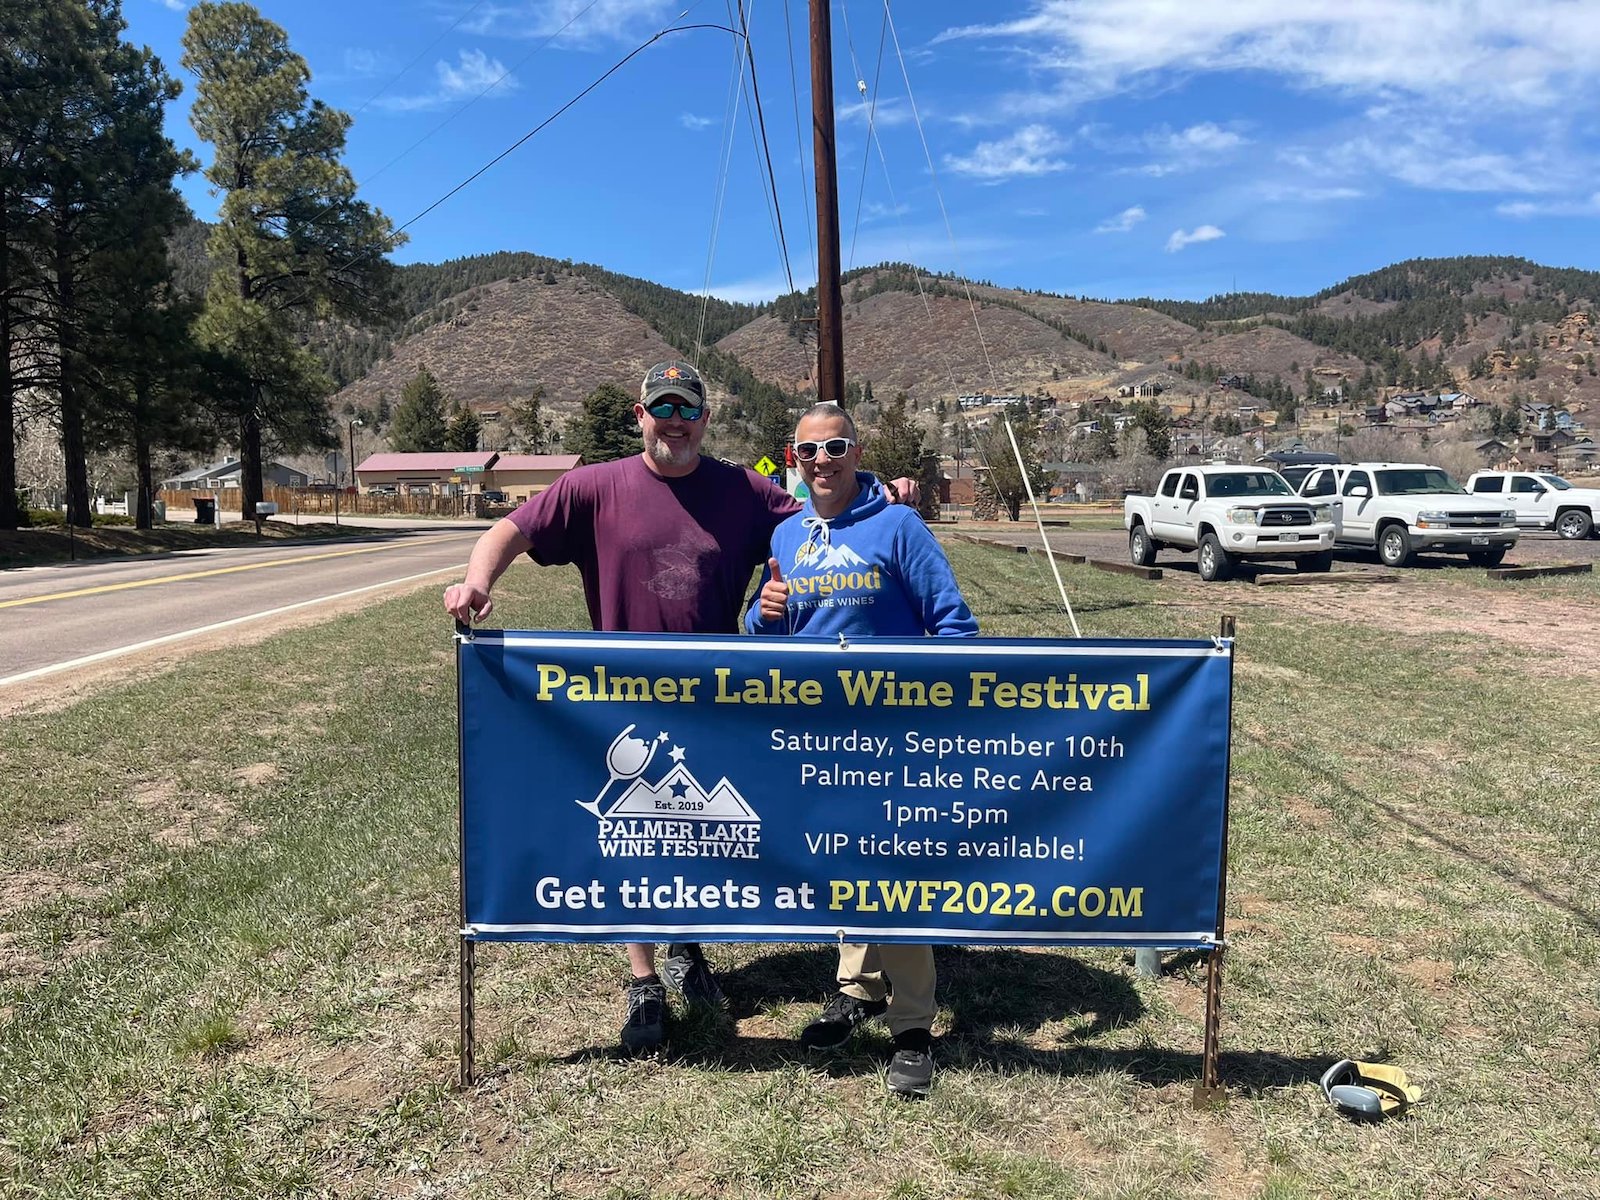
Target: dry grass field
(227, 940)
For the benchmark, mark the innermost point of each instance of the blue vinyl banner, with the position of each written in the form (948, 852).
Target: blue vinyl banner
(632, 787)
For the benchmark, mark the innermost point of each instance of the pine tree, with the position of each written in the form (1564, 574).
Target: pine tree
(419, 425)
(463, 431)
(606, 429)
(1157, 428)
(292, 240)
(37, 42)
(895, 447)
(529, 428)
(1005, 478)
(104, 200)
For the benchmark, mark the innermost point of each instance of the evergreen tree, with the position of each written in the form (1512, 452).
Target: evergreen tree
(1101, 445)
(1005, 477)
(291, 239)
(104, 199)
(529, 428)
(606, 429)
(1157, 428)
(419, 424)
(38, 66)
(463, 431)
(895, 447)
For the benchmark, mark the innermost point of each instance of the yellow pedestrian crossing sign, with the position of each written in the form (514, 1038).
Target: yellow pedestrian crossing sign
(765, 466)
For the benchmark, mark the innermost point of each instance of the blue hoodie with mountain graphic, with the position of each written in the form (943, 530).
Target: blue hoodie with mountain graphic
(874, 570)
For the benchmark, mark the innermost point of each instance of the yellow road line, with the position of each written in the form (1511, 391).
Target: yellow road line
(278, 562)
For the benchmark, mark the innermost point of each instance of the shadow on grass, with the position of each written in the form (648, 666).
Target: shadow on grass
(990, 1000)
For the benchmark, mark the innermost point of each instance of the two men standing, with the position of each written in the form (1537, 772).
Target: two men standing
(665, 542)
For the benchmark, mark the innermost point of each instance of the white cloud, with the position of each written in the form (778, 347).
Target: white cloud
(174, 5)
(1460, 53)
(1278, 192)
(362, 63)
(888, 113)
(1205, 138)
(575, 22)
(1443, 95)
(1442, 158)
(1524, 209)
(473, 74)
(1122, 222)
(694, 123)
(1201, 233)
(1027, 152)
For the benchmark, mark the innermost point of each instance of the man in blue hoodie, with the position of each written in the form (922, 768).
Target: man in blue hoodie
(851, 563)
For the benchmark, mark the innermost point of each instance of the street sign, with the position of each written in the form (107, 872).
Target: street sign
(469, 470)
(765, 466)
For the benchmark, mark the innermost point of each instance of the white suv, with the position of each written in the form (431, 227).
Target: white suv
(1542, 500)
(1401, 509)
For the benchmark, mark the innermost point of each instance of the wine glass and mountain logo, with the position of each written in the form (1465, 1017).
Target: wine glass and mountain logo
(676, 794)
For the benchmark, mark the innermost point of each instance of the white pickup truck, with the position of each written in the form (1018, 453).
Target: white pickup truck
(1401, 509)
(1542, 500)
(1228, 514)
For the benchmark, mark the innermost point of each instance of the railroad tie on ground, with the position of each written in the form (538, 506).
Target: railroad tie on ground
(1122, 568)
(1535, 572)
(1263, 580)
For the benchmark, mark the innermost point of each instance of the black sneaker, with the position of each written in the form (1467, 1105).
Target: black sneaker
(646, 1026)
(838, 1020)
(911, 1069)
(687, 972)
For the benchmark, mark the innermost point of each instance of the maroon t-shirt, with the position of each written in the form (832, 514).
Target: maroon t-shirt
(657, 555)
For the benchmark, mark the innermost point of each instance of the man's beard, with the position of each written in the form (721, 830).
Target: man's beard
(664, 455)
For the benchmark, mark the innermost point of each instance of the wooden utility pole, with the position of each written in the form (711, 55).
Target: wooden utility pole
(830, 306)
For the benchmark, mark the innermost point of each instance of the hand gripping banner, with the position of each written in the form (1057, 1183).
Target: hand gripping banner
(628, 787)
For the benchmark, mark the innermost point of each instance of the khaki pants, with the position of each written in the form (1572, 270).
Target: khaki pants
(903, 974)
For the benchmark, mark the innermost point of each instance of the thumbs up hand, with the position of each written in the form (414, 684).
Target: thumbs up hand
(774, 593)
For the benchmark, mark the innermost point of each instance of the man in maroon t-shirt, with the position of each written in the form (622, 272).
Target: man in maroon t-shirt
(666, 542)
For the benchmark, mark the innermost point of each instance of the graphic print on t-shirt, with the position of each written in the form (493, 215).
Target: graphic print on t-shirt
(827, 573)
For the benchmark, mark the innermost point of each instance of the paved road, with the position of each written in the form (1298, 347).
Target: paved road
(50, 616)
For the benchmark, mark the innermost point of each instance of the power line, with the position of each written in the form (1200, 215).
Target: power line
(730, 122)
(494, 83)
(939, 195)
(783, 245)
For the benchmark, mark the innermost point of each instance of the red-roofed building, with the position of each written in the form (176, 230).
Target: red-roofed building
(522, 475)
(431, 473)
(517, 475)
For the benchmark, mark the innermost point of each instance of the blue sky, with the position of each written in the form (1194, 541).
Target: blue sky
(1102, 147)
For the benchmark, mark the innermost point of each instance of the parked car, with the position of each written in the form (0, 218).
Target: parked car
(1226, 515)
(1542, 500)
(493, 496)
(383, 489)
(1401, 509)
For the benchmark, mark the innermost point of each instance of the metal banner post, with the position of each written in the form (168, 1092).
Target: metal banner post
(468, 947)
(1209, 1091)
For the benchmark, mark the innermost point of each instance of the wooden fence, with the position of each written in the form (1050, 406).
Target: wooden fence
(321, 502)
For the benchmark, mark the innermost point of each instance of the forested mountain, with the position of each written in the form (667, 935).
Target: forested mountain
(496, 328)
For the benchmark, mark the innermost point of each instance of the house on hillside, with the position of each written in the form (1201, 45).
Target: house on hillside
(225, 474)
(1492, 451)
(1579, 458)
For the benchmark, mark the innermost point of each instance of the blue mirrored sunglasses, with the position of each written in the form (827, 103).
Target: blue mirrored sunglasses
(662, 409)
